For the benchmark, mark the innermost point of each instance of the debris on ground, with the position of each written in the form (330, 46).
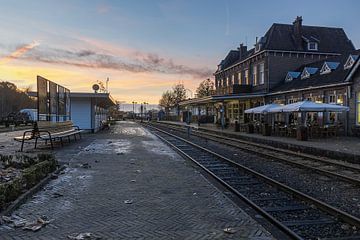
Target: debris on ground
(56, 195)
(133, 180)
(128, 201)
(37, 224)
(138, 171)
(14, 221)
(229, 230)
(81, 236)
(83, 165)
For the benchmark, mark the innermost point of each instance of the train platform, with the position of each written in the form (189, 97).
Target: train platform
(126, 184)
(343, 148)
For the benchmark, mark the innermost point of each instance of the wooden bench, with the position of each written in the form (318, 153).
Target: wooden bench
(50, 132)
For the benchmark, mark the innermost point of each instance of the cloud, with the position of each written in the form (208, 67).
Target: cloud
(135, 62)
(22, 49)
(102, 9)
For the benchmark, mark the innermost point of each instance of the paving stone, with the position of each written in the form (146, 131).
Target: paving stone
(164, 205)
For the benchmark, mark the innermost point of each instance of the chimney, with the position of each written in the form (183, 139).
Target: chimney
(242, 50)
(297, 31)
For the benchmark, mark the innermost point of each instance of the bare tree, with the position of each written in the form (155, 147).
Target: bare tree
(12, 99)
(179, 91)
(206, 88)
(167, 101)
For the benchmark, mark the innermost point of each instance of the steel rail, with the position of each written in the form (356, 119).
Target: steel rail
(299, 195)
(301, 155)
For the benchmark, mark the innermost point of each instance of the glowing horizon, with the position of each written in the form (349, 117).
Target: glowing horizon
(143, 47)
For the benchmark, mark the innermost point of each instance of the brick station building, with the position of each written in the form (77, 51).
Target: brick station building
(291, 62)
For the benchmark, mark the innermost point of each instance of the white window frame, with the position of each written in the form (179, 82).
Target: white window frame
(305, 74)
(357, 103)
(288, 78)
(312, 49)
(254, 75)
(349, 62)
(261, 73)
(334, 100)
(246, 77)
(325, 69)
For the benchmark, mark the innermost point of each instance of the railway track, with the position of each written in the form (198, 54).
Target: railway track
(295, 213)
(330, 167)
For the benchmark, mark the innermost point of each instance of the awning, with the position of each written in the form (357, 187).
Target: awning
(309, 106)
(262, 109)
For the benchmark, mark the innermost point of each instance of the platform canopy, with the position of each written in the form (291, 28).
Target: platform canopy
(262, 109)
(309, 106)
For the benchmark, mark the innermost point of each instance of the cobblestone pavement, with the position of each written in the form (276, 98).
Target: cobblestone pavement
(136, 188)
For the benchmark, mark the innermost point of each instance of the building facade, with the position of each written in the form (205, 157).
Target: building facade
(291, 62)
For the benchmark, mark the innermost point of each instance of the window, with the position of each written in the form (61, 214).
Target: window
(292, 100)
(332, 99)
(358, 109)
(239, 77)
(254, 75)
(261, 74)
(305, 74)
(325, 69)
(312, 46)
(257, 47)
(246, 77)
(340, 99)
(350, 61)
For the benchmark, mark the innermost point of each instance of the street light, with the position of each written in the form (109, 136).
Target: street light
(145, 108)
(188, 110)
(134, 109)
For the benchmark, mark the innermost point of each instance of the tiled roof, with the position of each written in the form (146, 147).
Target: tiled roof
(330, 40)
(316, 80)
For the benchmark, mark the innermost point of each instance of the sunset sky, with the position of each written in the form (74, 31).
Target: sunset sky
(143, 46)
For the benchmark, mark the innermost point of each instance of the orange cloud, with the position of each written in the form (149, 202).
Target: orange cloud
(18, 52)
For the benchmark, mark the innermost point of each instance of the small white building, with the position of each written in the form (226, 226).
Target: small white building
(88, 110)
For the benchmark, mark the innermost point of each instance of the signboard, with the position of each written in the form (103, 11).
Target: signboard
(67, 104)
(43, 107)
(53, 97)
(53, 101)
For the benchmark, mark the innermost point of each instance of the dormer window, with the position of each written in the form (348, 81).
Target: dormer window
(312, 46)
(328, 67)
(307, 72)
(350, 61)
(257, 47)
(291, 75)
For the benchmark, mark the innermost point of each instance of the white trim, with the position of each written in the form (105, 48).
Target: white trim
(288, 78)
(325, 69)
(349, 62)
(305, 74)
(312, 49)
(353, 70)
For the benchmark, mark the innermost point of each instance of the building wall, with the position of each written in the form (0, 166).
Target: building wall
(354, 97)
(81, 113)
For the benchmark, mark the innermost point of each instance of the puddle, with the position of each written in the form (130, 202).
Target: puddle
(132, 131)
(158, 147)
(108, 146)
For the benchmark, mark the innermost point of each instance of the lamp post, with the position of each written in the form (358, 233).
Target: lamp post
(145, 108)
(188, 110)
(134, 103)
